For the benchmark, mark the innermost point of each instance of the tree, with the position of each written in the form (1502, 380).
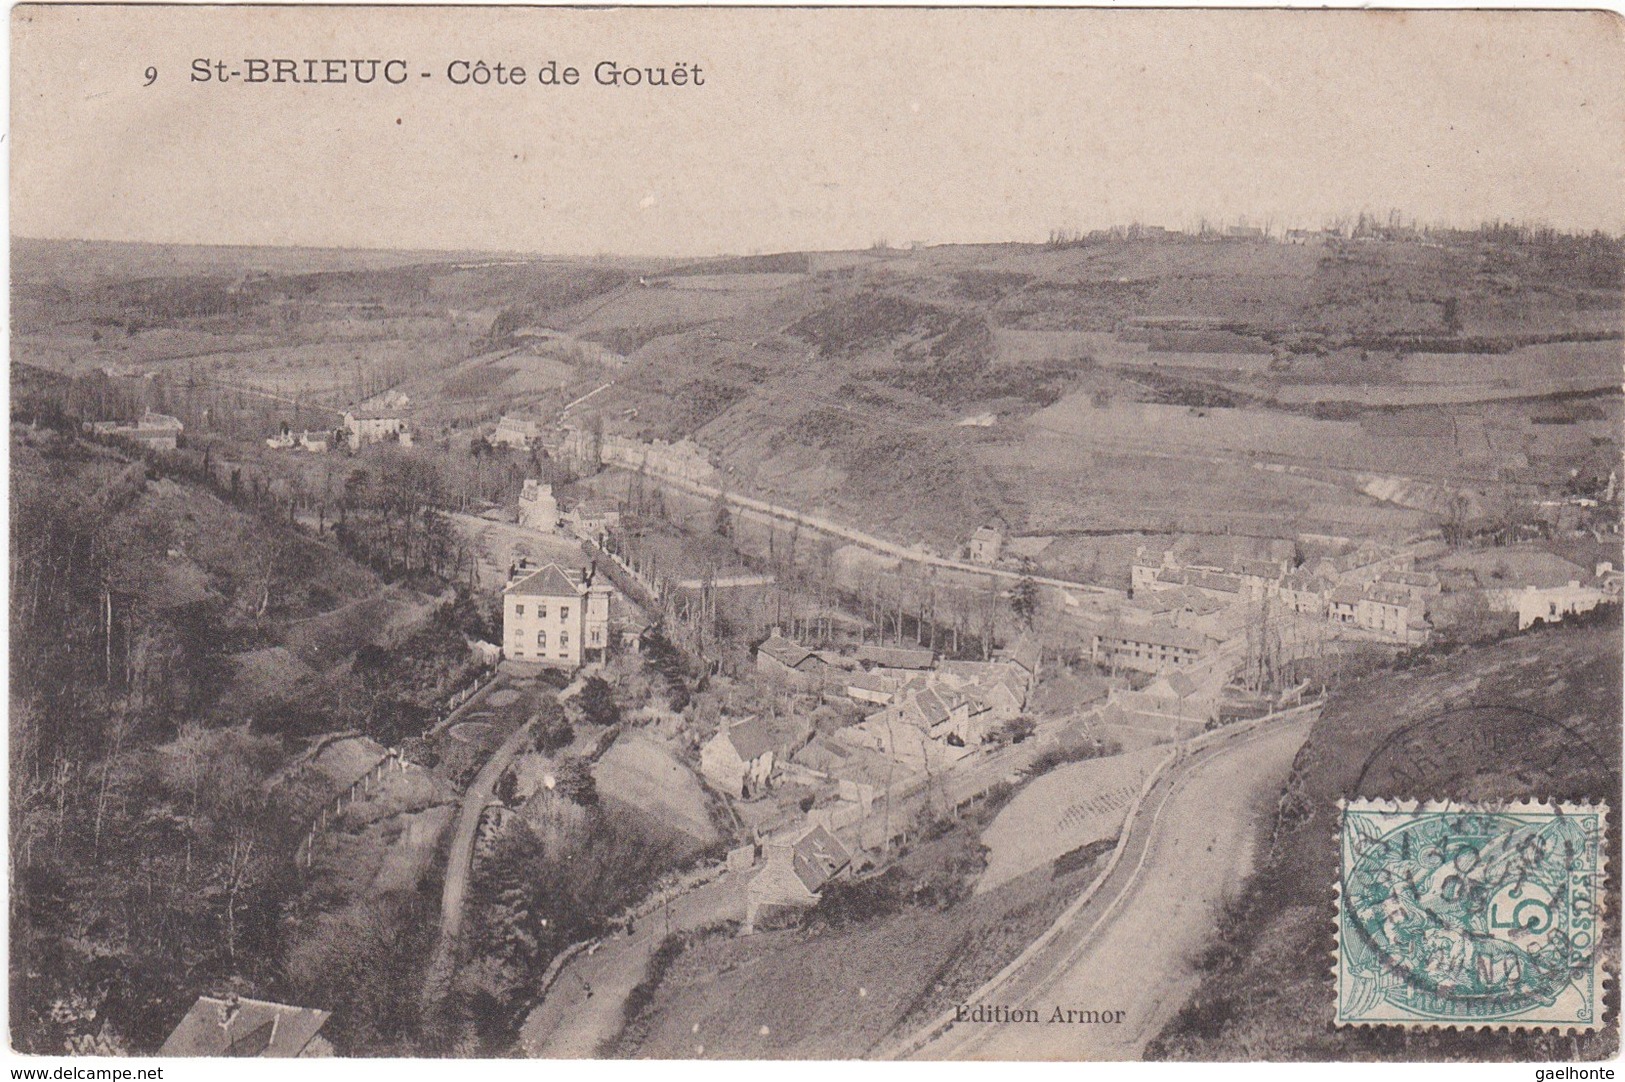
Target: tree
(553, 729)
(507, 788)
(721, 516)
(1015, 730)
(573, 780)
(598, 702)
(1024, 599)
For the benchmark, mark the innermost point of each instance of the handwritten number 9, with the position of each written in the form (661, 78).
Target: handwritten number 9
(152, 77)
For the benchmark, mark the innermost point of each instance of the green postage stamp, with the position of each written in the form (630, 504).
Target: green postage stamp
(1470, 915)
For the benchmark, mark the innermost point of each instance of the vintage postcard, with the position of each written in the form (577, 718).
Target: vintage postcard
(815, 534)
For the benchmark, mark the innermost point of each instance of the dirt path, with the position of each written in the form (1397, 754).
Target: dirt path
(1128, 949)
(585, 1006)
(481, 792)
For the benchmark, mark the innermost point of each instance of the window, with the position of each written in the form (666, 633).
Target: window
(564, 613)
(519, 610)
(597, 635)
(541, 640)
(541, 610)
(564, 639)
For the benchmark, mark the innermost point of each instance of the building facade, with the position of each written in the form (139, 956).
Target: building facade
(555, 616)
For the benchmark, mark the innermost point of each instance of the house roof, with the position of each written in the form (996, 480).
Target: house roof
(240, 1028)
(1025, 653)
(549, 581)
(750, 738)
(819, 857)
(926, 706)
(1305, 580)
(788, 652)
(987, 533)
(1202, 580)
(1388, 594)
(896, 657)
(1162, 635)
(1346, 594)
(847, 762)
(1181, 684)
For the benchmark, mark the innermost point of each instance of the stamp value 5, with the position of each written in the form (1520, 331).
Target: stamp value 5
(1462, 916)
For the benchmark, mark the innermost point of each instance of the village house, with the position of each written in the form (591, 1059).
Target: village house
(1000, 687)
(317, 444)
(1224, 580)
(1549, 604)
(1386, 608)
(538, 510)
(236, 1028)
(684, 460)
(986, 544)
(1174, 706)
(861, 775)
(366, 426)
(786, 661)
(155, 430)
(593, 519)
(1610, 580)
(925, 729)
(1151, 647)
(738, 760)
(513, 431)
(555, 616)
(1343, 604)
(1420, 585)
(870, 687)
(1304, 591)
(795, 869)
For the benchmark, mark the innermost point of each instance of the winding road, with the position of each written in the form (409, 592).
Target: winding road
(1128, 948)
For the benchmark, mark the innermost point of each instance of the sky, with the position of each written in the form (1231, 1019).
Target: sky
(813, 130)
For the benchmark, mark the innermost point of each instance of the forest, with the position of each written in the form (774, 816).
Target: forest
(151, 854)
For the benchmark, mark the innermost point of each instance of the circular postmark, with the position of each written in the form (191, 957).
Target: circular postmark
(1483, 754)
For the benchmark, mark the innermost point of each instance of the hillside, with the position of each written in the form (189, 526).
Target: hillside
(1156, 383)
(1267, 991)
(175, 645)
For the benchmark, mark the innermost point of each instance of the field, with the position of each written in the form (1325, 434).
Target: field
(1070, 807)
(641, 773)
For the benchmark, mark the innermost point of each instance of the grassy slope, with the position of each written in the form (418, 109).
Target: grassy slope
(1268, 991)
(836, 989)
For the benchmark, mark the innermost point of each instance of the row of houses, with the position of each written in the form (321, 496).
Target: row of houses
(1370, 586)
